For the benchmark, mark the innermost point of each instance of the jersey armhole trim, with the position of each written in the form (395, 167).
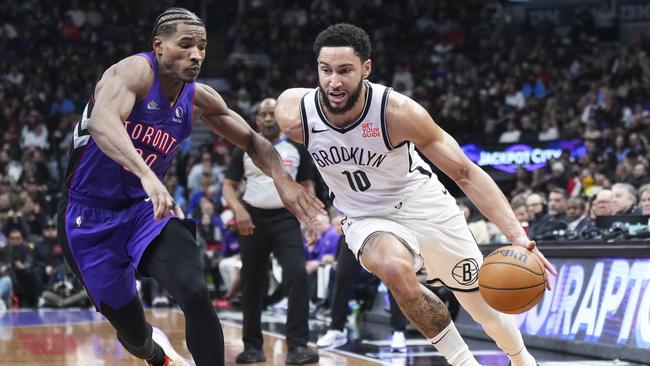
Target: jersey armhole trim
(190, 121)
(418, 168)
(384, 125)
(304, 122)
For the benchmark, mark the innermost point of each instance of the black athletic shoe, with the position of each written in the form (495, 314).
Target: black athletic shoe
(301, 355)
(251, 355)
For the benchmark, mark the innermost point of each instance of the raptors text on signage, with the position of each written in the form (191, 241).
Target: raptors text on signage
(605, 301)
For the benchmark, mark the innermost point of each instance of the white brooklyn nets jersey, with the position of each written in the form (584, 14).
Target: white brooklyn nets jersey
(366, 175)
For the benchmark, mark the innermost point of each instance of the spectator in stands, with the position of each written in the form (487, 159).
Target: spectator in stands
(511, 134)
(639, 175)
(230, 264)
(34, 132)
(482, 230)
(321, 245)
(520, 208)
(21, 261)
(64, 290)
(576, 215)
(403, 80)
(15, 221)
(544, 225)
(514, 98)
(62, 104)
(48, 254)
(549, 131)
(638, 144)
(205, 167)
(6, 285)
(558, 178)
(602, 204)
(538, 182)
(624, 199)
(644, 199)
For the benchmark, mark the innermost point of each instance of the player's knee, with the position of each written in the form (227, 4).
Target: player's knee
(196, 295)
(384, 253)
(194, 292)
(393, 271)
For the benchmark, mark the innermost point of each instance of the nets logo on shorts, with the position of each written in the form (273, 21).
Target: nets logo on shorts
(465, 272)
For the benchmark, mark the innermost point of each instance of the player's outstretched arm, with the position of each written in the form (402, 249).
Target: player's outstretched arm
(409, 121)
(211, 108)
(116, 93)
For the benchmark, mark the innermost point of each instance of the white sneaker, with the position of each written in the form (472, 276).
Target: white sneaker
(282, 305)
(333, 339)
(174, 358)
(398, 342)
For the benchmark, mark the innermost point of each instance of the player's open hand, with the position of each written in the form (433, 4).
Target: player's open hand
(163, 204)
(532, 246)
(302, 203)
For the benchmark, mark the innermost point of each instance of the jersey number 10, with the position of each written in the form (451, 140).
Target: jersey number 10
(358, 180)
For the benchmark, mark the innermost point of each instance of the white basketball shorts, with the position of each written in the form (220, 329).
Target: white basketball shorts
(434, 229)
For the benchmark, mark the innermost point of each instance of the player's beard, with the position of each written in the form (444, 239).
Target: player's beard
(352, 100)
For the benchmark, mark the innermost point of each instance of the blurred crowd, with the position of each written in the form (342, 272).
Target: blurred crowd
(481, 76)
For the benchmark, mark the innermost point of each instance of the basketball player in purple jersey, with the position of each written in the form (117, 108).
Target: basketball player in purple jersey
(116, 216)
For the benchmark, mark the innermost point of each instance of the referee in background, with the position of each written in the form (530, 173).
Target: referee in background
(265, 226)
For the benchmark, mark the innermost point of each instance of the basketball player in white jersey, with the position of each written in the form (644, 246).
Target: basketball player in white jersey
(362, 137)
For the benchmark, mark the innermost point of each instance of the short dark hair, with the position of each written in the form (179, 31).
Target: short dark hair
(344, 35)
(560, 191)
(167, 21)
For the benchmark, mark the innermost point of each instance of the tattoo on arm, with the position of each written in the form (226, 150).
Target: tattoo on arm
(427, 312)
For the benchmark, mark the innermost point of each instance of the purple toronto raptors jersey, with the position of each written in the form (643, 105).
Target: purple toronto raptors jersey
(156, 128)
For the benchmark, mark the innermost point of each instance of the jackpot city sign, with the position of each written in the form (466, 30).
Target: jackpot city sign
(508, 158)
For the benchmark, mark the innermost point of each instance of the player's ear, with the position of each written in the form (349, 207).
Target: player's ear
(366, 67)
(157, 45)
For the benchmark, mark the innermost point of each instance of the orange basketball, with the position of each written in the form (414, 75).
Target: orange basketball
(512, 279)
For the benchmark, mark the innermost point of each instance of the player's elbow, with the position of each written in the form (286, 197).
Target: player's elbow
(462, 175)
(94, 126)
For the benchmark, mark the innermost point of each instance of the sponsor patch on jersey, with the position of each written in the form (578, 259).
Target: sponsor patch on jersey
(152, 105)
(178, 115)
(288, 162)
(369, 130)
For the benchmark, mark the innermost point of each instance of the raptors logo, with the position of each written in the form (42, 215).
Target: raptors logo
(465, 272)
